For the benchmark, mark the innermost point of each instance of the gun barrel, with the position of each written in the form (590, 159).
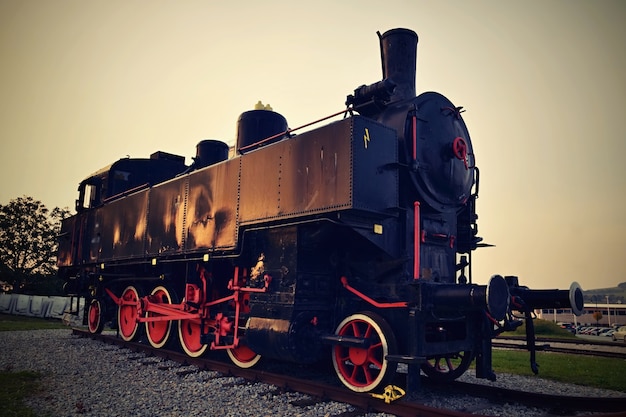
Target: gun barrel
(572, 298)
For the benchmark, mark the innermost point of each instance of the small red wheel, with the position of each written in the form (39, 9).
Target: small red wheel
(158, 332)
(364, 369)
(447, 367)
(95, 324)
(127, 314)
(189, 333)
(459, 149)
(243, 356)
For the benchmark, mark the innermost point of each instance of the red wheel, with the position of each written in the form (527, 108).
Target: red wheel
(189, 332)
(127, 314)
(448, 367)
(364, 369)
(158, 332)
(243, 356)
(95, 324)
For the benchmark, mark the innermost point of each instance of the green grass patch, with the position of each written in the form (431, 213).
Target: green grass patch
(14, 387)
(606, 373)
(10, 322)
(543, 328)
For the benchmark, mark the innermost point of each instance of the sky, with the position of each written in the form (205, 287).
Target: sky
(543, 83)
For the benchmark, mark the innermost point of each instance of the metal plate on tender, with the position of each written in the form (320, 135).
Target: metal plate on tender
(327, 169)
(120, 227)
(212, 207)
(166, 217)
(309, 173)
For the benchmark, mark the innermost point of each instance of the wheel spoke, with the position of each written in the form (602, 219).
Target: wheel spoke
(355, 329)
(367, 373)
(449, 363)
(368, 332)
(355, 372)
(375, 360)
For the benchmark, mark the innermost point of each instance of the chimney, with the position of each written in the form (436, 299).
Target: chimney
(398, 50)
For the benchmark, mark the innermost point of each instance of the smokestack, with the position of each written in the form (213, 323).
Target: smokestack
(398, 50)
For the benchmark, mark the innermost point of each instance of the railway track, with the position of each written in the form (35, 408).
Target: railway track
(574, 347)
(320, 390)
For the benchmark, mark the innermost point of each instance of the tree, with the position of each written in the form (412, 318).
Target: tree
(28, 240)
(597, 316)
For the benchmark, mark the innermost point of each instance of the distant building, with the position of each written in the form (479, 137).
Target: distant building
(611, 314)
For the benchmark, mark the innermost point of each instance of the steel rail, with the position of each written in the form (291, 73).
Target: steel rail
(513, 344)
(363, 401)
(558, 404)
(321, 391)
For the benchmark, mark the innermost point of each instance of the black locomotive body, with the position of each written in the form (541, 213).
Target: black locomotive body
(352, 240)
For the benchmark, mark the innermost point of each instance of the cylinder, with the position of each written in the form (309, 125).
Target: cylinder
(209, 152)
(398, 49)
(257, 126)
(493, 297)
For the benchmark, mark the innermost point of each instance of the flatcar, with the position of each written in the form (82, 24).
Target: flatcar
(349, 242)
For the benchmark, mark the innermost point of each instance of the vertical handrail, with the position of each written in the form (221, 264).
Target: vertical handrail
(416, 241)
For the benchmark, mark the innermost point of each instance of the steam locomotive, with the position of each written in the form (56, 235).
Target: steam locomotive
(352, 240)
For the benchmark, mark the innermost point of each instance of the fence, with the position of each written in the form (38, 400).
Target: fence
(54, 307)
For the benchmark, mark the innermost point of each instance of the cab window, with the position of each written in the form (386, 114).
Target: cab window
(88, 194)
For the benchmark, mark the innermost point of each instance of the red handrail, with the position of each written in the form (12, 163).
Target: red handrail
(399, 304)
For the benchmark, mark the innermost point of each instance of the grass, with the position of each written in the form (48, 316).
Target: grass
(9, 322)
(605, 373)
(14, 387)
(543, 328)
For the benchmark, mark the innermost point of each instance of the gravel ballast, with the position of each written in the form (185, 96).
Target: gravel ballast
(87, 377)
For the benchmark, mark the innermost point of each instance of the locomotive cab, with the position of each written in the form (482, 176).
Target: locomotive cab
(126, 175)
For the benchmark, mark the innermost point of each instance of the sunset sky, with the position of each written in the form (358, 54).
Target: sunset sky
(84, 83)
